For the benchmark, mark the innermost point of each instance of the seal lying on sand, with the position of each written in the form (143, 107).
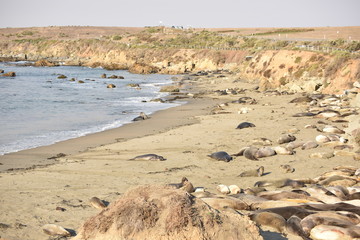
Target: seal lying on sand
(245, 125)
(270, 219)
(221, 156)
(150, 156)
(55, 230)
(253, 173)
(287, 168)
(281, 183)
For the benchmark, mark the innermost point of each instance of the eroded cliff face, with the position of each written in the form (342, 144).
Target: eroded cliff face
(283, 70)
(302, 71)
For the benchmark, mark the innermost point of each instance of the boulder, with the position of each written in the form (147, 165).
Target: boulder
(103, 75)
(111, 85)
(44, 63)
(61, 76)
(1, 71)
(134, 85)
(143, 68)
(162, 212)
(170, 88)
(115, 76)
(9, 74)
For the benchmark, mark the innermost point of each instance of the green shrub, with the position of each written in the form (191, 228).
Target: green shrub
(298, 60)
(116, 38)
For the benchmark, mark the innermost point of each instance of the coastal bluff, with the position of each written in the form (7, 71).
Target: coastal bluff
(271, 64)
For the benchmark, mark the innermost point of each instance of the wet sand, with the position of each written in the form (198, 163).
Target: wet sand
(185, 135)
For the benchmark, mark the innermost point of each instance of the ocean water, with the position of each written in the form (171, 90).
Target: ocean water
(38, 109)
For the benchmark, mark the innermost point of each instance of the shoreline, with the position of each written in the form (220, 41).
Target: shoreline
(43, 156)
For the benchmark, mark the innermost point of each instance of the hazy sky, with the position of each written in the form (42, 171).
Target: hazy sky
(195, 13)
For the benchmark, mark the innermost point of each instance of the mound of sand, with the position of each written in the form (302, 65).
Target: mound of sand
(157, 212)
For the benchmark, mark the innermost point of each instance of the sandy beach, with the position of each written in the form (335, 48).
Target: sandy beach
(33, 186)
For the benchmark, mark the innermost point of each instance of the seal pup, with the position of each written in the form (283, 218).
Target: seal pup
(234, 189)
(245, 125)
(265, 152)
(304, 114)
(269, 219)
(221, 156)
(279, 150)
(253, 173)
(286, 138)
(55, 230)
(293, 145)
(142, 116)
(97, 203)
(149, 157)
(309, 145)
(262, 141)
(223, 189)
(287, 168)
(304, 99)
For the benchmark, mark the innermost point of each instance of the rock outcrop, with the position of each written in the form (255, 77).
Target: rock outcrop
(9, 74)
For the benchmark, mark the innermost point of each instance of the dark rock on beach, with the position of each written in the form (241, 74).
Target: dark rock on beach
(9, 74)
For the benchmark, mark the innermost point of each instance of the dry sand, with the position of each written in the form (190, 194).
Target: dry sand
(185, 135)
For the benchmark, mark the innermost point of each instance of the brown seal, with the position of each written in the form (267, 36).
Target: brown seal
(55, 230)
(269, 219)
(97, 203)
(253, 173)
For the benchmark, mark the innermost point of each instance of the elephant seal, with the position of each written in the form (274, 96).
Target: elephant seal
(265, 152)
(332, 129)
(287, 168)
(304, 114)
(269, 219)
(245, 125)
(288, 211)
(253, 173)
(185, 185)
(324, 232)
(250, 153)
(294, 227)
(281, 183)
(286, 138)
(279, 150)
(309, 145)
(222, 203)
(221, 156)
(150, 156)
(97, 203)
(142, 116)
(223, 189)
(55, 230)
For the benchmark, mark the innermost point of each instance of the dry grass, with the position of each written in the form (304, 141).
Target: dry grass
(161, 212)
